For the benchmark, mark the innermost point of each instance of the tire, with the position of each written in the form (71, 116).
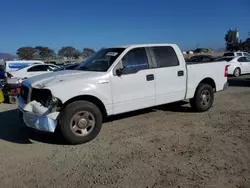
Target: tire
(80, 122)
(12, 99)
(203, 98)
(237, 72)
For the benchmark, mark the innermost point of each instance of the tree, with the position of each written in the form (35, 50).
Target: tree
(87, 52)
(26, 53)
(77, 54)
(67, 51)
(45, 52)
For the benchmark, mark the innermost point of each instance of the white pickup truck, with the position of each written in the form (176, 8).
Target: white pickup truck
(114, 81)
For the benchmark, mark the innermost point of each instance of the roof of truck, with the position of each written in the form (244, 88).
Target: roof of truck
(143, 45)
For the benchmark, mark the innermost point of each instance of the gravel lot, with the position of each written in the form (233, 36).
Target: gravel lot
(168, 146)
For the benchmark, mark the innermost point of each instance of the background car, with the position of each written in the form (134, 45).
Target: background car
(2, 72)
(33, 70)
(201, 58)
(237, 65)
(68, 67)
(236, 54)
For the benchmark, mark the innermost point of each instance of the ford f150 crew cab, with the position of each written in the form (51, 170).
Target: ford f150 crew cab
(114, 81)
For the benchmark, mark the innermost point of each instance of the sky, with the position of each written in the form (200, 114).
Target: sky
(106, 23)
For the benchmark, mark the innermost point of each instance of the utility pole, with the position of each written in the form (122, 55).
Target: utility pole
(197, 45)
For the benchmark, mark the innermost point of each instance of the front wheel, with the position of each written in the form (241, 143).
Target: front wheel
(12, 99)
(203, 98)
(80, 122)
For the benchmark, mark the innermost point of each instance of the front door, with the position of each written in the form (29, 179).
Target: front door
(135, 87)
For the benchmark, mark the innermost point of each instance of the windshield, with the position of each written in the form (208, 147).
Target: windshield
(101, 60)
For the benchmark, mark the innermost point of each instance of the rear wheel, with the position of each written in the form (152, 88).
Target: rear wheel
(203, 99)
(237, 72)
(81, 122)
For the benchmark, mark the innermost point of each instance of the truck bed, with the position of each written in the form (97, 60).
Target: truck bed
(198, 71)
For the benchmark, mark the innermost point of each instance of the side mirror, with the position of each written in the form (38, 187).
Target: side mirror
(118, 72)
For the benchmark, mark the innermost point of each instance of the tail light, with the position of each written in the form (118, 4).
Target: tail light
(226, 70)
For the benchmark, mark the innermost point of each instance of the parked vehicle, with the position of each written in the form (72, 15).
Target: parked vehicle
(16, 65)
(10, 92)
(237, 65)
(32, 70)
(2, 72)
(114, 81)
(201, 58)
(235, 54)
(50, 62)
(1, 92)
(68, 67)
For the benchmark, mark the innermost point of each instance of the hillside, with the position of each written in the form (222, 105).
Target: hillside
(7, 56)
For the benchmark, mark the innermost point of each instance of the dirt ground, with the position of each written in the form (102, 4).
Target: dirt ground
(168, 146)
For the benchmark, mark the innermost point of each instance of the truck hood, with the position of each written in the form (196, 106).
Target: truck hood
(52, 78)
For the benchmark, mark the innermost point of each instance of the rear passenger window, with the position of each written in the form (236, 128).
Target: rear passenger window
(165, 56)
(242, 59)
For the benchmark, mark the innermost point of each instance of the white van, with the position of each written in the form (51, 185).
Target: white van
(16, 65)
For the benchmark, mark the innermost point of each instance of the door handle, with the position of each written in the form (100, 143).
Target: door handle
(181, 73)
(150, 77)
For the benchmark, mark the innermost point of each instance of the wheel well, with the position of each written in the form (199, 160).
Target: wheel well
(237, 68)
(91, 99)
(210, 82)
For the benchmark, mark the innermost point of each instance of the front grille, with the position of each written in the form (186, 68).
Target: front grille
(24, 92)
(43, 96)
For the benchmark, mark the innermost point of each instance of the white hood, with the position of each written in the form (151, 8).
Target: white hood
(52, 78)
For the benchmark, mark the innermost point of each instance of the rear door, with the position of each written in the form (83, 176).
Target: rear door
(135, 87)
(170, 75)
(244, 65)
(247, 65)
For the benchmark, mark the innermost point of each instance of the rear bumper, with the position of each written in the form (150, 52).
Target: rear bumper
(36, 121)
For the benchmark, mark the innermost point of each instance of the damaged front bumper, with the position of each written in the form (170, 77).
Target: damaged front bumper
(37, 116)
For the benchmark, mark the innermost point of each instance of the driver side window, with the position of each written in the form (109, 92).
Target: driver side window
(134, 61)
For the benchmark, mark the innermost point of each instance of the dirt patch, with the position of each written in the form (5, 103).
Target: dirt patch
(169, 146)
